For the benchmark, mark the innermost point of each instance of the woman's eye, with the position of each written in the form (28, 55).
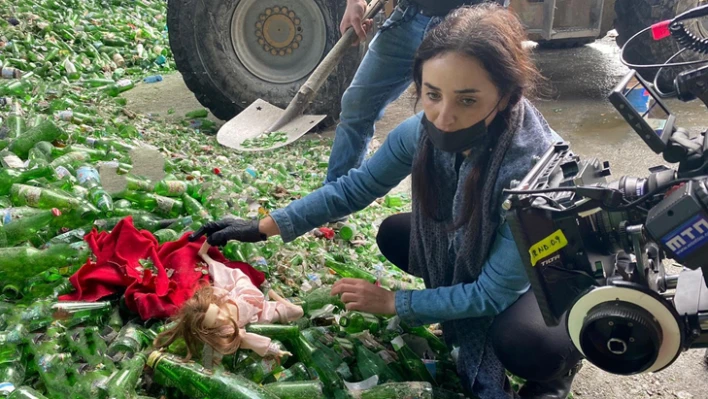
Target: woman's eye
(468, 101)
(434, 96)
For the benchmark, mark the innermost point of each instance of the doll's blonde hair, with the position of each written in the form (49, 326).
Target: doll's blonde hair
(190, 325)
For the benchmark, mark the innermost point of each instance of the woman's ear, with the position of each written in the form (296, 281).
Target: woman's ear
(504, 103)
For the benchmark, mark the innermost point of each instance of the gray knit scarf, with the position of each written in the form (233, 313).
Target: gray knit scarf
(443, 257)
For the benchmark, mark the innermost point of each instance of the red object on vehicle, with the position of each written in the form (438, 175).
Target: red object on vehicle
(660, 30)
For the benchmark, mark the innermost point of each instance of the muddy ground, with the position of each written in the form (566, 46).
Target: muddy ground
(575, 106)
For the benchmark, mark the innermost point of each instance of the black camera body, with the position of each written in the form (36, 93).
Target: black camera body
(594, 250)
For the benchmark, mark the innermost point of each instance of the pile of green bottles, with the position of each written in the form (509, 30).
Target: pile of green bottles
(87, 350)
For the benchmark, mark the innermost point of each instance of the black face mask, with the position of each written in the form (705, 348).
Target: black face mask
(459, 140)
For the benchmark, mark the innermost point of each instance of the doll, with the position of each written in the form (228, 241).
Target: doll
(216, 315)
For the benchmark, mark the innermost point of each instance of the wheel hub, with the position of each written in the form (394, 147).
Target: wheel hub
(278, 30)
(279, 41)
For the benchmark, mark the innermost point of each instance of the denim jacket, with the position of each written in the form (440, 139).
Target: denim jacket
(502, 281)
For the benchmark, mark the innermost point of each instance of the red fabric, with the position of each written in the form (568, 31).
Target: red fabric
(117, 268)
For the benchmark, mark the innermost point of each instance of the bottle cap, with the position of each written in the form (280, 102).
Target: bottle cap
(154, 357)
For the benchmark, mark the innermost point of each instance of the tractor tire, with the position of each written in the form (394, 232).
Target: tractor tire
(608, 18)
(231, 53)
(634, 15)
(193, 73)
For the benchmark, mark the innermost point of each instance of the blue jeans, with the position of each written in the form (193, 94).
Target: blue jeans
(384, 74)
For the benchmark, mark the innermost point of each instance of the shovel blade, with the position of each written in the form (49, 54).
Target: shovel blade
(254, 120)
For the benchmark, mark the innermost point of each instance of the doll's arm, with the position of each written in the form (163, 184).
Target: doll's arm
(260, 344)
(223, 277)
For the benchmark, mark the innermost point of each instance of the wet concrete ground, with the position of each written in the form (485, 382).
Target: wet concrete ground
(576, 107)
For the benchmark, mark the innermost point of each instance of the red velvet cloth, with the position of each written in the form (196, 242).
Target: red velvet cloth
(152, 295)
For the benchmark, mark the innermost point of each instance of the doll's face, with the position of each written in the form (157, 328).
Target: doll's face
(221, 315)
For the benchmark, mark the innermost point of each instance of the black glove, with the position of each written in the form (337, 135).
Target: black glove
(221, 231)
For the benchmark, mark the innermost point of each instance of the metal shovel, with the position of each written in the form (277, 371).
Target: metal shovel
(261, 117)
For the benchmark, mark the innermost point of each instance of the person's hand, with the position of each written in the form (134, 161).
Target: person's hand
(221, 231)
(361, 295)
(354, 17)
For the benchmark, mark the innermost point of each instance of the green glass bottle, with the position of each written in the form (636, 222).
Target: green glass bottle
(196, 382)
(38, 197)
(317, 299)
(181, 225)
(80, 217)
(9, 215)
(196, 209)
(122, 384)
(256, 368)
(71, 159)
(436, 344)
(349, 271)
(44, 312)
(15, 122)
(240, 251)
(416, 389)
(54, 369)
(130, 340)
(296, 389)
(25, 392)
(163, 206)
(280, 332)
(94, 154)
(411, 362)
(151, 223)
(97, 82)
(166, 235)
(12, 368)
(88, 178)
(347, 232)
(171, 188)
(8, 177)
(356, 322)
(135, 183)
(370, 364)
(21, 230)
(296, 372)
(115, 89)
(21, 263)
(87, 344)
(78, 118)
(44, 131)
(319, 359)
(14, 335)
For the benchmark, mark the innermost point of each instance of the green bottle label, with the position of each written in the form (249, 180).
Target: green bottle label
(30, 195)
(176, 187)
(86, 173)
(164, 205)
(398, 343)
(13, 161)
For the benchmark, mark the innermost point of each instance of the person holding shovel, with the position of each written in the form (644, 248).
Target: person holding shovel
(476, 134)
(384, 73)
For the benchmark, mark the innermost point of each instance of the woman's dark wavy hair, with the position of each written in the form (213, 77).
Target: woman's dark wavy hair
(493, 36)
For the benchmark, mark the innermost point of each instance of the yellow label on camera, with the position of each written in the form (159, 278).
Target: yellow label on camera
(548, 246)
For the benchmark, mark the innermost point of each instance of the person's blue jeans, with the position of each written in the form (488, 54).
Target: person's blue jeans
(384, 74)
